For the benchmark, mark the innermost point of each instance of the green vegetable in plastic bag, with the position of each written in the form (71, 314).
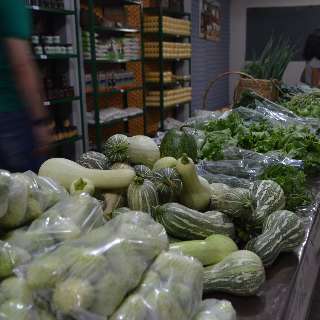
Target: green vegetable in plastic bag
(213, 309)
(10, 257)
(93, 274)
(171, 289)
(4, 191)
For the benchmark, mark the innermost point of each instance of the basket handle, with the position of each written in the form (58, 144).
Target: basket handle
(219, 77)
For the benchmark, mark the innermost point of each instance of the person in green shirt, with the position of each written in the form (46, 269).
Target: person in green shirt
(24, 132)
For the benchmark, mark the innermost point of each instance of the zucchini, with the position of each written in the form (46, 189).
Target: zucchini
(168, 183)
(283, 231)
(187, 224)
(194, 195)
(209, 251)
(240, 273)
(142, 195)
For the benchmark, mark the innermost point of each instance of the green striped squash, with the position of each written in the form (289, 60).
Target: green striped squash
(268, 197)
(240, 273)
(168, 183)
(183, 223)
(94, 160)
(142, 195)
(235, 202)
(283, 231)
(143, 172)
(116, 148)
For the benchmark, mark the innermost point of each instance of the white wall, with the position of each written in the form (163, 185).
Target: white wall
(238, 35)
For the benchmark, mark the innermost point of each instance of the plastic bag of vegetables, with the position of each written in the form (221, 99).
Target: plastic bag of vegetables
(88, 278)
(171, 289)
(25, 196)
(213, 309)
(68, 219)
(246, 169)
(16, 302)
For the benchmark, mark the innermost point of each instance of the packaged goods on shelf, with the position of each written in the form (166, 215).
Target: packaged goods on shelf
(57, 4)
(170, 25)
(171, 50)
(111, 79)
(171, 97)
(127, 48)
(155, 76)
(57, 87)
(111, 114)
(167, 77)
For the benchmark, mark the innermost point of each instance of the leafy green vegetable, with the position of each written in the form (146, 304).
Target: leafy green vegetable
(305, 105)
(293, 183)
(273, 60)
(296, 142)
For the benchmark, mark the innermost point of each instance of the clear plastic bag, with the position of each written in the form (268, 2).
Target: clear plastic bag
(171, 289)
(231, 181)
(27, 198)
(4, 191)
(246, 169)
(213, 309)
(268, 159)
(88, 278)
(69, 219)
(204, 117)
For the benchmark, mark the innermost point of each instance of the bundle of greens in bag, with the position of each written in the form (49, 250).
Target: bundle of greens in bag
(213, 309)
(88, 278)
(68, 219)
(171, 289)
(25, 196)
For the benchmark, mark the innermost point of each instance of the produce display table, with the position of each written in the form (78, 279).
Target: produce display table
(287, 293)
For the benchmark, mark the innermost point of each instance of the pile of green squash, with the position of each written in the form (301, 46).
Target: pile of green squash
(234, 232)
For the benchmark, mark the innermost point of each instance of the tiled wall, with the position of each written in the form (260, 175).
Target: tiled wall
(210, 59)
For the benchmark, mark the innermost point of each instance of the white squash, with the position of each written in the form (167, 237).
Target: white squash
(65, 172)
(143, 150)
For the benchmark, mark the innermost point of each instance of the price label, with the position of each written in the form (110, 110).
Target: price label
(43, 57)
(47, 103)
(35, 7)
(125, 119)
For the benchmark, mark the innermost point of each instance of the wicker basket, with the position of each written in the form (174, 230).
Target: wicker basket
(266, 88)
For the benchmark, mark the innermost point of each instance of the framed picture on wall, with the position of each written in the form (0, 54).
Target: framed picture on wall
(210, 20)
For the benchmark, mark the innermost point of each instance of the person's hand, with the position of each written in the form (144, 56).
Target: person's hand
(43, 138)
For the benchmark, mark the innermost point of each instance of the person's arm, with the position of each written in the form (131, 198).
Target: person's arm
(26, 76)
